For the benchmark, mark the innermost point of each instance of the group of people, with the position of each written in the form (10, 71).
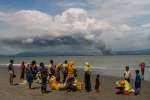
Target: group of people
(63, 76)
(124, 86)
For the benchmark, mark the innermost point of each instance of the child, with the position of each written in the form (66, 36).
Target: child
(127, 74)
(142, 66)
(137, 82)
(97, 83)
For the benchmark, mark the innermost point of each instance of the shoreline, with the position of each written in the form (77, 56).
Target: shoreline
(105, 71)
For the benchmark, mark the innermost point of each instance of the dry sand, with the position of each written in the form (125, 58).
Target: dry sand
(21, 92)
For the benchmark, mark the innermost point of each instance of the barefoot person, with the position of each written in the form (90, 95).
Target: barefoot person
(65, 72)
(11, 72)
(34, 69)
(44, 74)
(137, 82)
(29, 75)
(87, 77)
(127, 74)
(70, 76)
(142, 66)
(22, 71)
(52, 67)
(71, 69)
(58, 72)
(97, 83)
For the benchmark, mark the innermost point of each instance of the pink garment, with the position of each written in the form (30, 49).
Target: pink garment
(142, 66)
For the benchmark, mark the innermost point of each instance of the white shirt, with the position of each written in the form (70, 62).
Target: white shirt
(127, 74)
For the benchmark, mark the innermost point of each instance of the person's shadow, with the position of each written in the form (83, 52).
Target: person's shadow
(16, 84)
(38, 87)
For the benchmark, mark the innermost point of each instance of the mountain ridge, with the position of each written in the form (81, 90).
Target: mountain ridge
(54, 53)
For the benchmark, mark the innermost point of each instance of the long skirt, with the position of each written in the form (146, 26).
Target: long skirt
(87, 80)
(61, 76)
(44, 84)
(142, 73)
(58, 76)
(22, 75)
(29, 79)
(65, 76)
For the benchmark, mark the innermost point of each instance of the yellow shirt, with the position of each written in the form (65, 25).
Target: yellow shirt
(70, 69)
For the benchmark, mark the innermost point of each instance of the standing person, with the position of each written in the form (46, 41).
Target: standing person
(65, 72)
(71, 69)
(34, 69)
(87, 77)
(11, 72)
(52, 67)
(58, 72)
(142, 66)
(29, 75)
(22, 71)
(137, 82)
(97, 83)
(127, 74)
(44, 74)
(61, 73)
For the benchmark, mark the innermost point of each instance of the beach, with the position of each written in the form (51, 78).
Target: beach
(74, 50)
(21, 91)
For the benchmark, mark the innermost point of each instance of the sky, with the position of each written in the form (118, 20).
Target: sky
(74, 25)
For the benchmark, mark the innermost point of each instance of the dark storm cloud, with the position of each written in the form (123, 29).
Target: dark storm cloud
(62, 43)
(64, 40)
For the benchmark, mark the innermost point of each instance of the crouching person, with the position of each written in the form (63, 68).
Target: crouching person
(70, 84)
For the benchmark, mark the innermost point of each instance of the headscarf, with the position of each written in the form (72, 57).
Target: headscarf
(87, 67)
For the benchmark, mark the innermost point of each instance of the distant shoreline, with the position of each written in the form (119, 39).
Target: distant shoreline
(74, 55)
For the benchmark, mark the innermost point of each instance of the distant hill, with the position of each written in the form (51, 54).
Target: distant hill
(31, 54)
(28, 54)
(134, 52)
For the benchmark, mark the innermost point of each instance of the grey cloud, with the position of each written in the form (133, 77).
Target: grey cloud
(109, 27)
(71, 30)
(119, 11)
(64, 43)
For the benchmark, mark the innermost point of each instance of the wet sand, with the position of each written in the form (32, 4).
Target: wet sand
(21, 92)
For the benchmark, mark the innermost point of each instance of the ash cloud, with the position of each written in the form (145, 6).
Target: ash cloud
(62, 44)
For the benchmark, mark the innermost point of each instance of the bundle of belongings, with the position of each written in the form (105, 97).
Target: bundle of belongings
(71, 84)
(123, 87)
(54, 85)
